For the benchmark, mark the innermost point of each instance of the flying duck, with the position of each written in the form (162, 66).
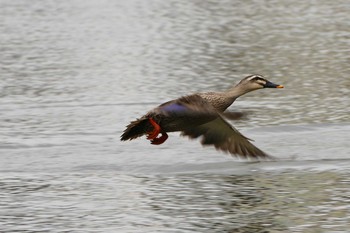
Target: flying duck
(201, 115)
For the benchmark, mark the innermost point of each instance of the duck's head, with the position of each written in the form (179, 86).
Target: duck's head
(255, 81)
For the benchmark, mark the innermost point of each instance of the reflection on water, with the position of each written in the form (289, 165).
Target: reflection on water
(74, 73)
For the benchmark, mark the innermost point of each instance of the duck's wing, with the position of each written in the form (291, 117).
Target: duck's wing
(191, 105)
(225, 137)
(234, 115)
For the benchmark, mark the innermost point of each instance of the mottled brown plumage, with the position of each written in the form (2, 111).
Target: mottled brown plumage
(200, 115)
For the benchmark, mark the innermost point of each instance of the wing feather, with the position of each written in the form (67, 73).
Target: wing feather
(225, 137)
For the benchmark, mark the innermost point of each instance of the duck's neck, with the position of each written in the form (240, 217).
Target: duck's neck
(237, 91)
(229, 96)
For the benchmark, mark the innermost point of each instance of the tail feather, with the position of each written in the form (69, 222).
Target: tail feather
(135, 129)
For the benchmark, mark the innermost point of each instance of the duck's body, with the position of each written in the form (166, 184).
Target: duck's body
(200, 114)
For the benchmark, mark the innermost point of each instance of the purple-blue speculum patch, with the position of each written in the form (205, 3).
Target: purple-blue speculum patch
(174, 108)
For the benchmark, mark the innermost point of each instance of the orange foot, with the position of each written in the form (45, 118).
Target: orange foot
(160, 140)
(153, 135)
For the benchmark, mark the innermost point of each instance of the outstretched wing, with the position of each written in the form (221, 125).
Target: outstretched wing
(225, 137)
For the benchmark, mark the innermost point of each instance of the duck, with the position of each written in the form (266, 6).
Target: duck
(201, 115)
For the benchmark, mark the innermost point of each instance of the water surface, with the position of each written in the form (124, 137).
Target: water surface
(73, 74)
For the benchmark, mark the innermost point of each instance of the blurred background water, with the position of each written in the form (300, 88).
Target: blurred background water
(74, 73)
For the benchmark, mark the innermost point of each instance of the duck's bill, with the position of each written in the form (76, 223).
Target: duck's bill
(272, 85)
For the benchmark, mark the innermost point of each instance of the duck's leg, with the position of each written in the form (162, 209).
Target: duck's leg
(152, 136)
(156, 130)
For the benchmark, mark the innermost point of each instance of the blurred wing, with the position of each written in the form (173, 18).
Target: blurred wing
(235, 115)
(225, 138)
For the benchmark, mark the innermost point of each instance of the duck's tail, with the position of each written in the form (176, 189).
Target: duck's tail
(135, 129)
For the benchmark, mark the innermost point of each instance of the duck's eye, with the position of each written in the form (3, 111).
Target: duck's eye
(257, 78)
(260, 81)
